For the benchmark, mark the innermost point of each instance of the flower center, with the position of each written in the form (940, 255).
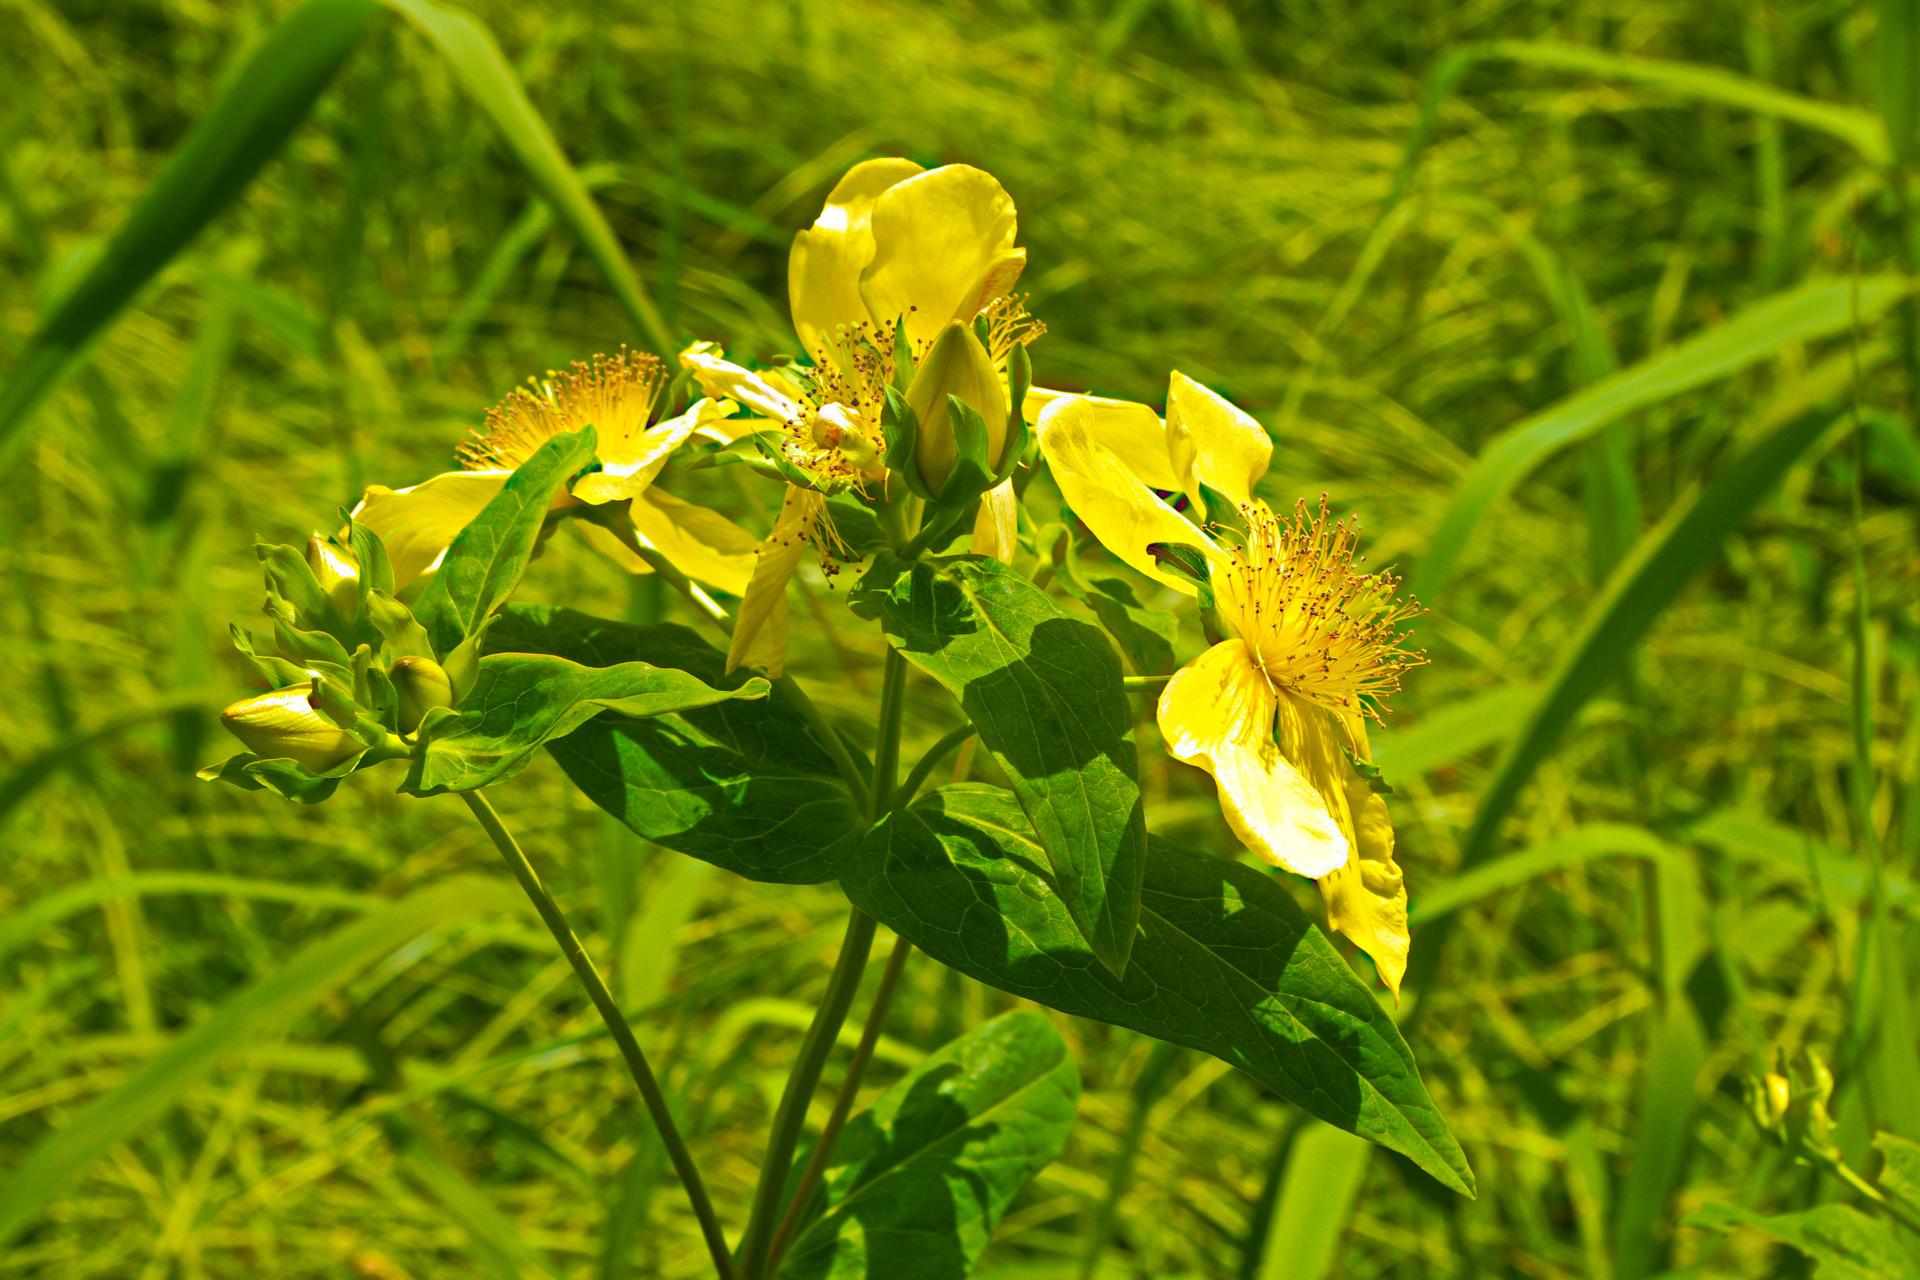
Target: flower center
(1313, 624)
(615, 393)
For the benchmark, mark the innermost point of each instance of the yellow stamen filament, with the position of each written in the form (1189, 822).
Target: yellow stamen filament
(1009, 326)
(1314, 625)
(615, 393)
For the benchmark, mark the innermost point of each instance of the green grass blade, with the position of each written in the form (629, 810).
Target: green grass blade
(1666, 1110)
(1815, 310)
(62, 1156)
(1665, 561)
(28, 777)
(1896, 41)
(1324, 1172)
(1599, 840)
(483, 71)
(245, 128)
(1453, 733)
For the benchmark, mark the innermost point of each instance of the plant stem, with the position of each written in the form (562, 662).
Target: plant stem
(792, 1112)
(829, 740)
(842, 1105)
(929, 762)
(1144, 684)
(616, 1023)
(886, 752)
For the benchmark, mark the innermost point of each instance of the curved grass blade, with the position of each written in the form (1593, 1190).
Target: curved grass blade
(1324, 1170)
(483, 71)
(243, 130)
(1815, 310)
(1666, 559)
(62, 1156)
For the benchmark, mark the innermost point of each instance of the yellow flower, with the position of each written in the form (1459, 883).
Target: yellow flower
(1276, 710)
(616, 395)
(894, 244)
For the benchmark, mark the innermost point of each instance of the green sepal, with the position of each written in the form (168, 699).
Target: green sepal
(1019, 382)
(903, 362)
(901, 427)
(759, 451)
(983, 331)
(973, 470)
(1190, 562)
(376, 570)
(1223, 514)
(308, 647)
(394, 623)
(520, 701)
(277, 671)
(290, 582)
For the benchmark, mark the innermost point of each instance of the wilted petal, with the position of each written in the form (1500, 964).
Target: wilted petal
(823, 271)
(419, 524)
(1105, 493)
(763, 606)
(721, 379)
(1367, 898)
(1218, 713)
(942, 249)
(1211, 440)
(1133, 431)
(640, 460)
(996, 528)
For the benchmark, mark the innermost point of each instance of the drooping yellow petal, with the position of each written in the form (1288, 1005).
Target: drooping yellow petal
(1133, 432)
(698, 541)
(1211, 440)
(721, 379)
(626, 472)
(419, 523)
(942, 249)
(1218, 713)
(1104, 492)
(1367, 898)
(763, 606)
(996, 528)
(823, 271)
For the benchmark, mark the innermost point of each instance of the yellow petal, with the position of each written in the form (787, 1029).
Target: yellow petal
(698, 541)
(627, 473)
(1367, 898)
(1211, 440)
(996, 527)
(823, 271)
(419, 523)
(721, 379)
(942, 249)
(763, 605)
(1105, 493)
(1133, 431)
(1218, 713)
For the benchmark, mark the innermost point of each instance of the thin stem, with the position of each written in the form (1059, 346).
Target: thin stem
(850, 772)
(1144, 684)
(616, 1023)
(792, 1112)
(886, 752)
(929, 762)
(842, 1105)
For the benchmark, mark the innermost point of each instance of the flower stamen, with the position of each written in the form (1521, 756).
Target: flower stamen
(615, 393)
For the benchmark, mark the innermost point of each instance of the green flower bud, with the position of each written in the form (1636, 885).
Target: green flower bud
(283, 725)
(960, 367)
(338, 574)
(422, 684)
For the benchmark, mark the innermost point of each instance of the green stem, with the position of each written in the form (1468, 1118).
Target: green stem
(616, 1023)
(930, 761)
(1144, 684)
(842, 1105)
(886, 752)
(792, 1112)
(850, 771)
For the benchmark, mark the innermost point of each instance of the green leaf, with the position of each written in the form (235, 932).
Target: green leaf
(1044, 689)
(1900, 1175)
(740, 784)
(485, 562)
(1224, 961)
(1665, 560)
(488, 78)
(1844, 1243)
(59, 1158)
(1896, 40)
(522, 700)
(1817, 309)
(917, 1181)
(246, 127)
(1145, 636)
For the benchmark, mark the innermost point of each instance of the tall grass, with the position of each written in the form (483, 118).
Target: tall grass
(1394, 270)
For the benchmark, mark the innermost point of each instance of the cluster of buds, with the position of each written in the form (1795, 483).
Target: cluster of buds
(351, 677)
(1794, 1116)
(953, 429)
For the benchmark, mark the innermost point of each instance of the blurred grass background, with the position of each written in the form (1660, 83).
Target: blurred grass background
(1221, 186)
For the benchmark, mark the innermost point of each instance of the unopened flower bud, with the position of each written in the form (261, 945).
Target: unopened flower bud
(957, 366)
(1775, 1093)
(283, 725)
(337, 573)
(422, 685)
